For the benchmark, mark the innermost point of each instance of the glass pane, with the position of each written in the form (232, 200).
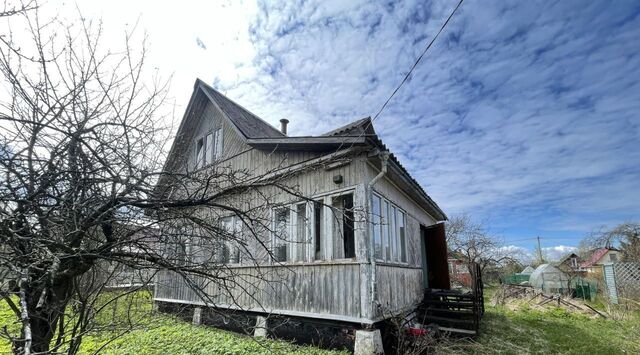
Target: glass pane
(318, 216)
(199, 153)
(218, 145)
(210, 147)
(401, 233)
(393, 234)
(301, 232)
(281, 234)
(385, 231)
(376, 226)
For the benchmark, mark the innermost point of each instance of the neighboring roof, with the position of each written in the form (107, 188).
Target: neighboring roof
(567, 257)
(596, 256)
(249, 124)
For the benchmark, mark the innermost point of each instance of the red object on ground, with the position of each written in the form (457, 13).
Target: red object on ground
(417, 331)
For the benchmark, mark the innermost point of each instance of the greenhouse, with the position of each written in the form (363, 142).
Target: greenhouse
(527, 270)
(550, 279)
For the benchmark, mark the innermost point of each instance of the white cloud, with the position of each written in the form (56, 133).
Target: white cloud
(524, 111)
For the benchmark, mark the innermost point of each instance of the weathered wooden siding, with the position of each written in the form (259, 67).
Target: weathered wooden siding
(398, 289)
(321, 290)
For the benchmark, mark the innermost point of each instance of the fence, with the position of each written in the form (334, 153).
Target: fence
(516, 279)
(622, 281)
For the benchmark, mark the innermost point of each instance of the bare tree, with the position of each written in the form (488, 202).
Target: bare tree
(625, 236)
(83, 185)
(471, 240)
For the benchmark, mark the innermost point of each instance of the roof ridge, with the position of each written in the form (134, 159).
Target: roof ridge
(348, 126)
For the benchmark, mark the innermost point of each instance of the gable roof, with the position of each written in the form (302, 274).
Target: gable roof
(250, 125)
(596, 256)
(567, 257)
(260, 135)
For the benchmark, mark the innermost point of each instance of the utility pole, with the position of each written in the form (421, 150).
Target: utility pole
(539, 250)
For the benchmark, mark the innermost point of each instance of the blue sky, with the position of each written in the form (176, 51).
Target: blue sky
(524, 114)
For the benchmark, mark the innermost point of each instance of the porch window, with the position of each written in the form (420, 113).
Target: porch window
(386, 249)
(229, 248)
(318, 218)
(301, 240)
(401, 236)
(282, 225)
(377, 226)
(343, 233)
(388, 230)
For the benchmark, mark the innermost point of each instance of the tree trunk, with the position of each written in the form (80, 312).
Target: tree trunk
(44, 310)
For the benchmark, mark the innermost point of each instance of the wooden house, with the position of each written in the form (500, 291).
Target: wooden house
(359, 272)
(600, 257)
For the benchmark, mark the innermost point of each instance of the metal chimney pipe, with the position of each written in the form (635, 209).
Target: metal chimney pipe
(283, 126)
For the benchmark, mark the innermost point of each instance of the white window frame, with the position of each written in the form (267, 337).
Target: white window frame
(390, 230)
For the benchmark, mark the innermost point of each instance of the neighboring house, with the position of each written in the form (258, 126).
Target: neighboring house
(601, 257)
(360, 269)
(459, 270)
(570, 263)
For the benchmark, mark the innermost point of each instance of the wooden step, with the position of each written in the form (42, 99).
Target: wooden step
(437, 319)
(449, 303)
(451, 311)
(458, 330)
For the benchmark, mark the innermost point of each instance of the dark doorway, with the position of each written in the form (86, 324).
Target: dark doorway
(434, 256)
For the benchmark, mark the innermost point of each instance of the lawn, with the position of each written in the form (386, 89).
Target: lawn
(165, 334)
(505, 331)
(553, 331)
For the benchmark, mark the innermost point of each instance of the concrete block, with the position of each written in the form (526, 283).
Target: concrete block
(260, 329)
(197, 316)
(368, 342)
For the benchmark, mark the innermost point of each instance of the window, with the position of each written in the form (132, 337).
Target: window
(376, 226)
(385, 231)
(229, 248)
(298, 245)
(401, 236)
(318, 216)
(613, 257)
(343, 233)
(200, 156)
(389, 231)
(392, 234)
(218, 145)
(208, 148)
(282, 220)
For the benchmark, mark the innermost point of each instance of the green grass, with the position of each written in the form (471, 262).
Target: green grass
(522, 331)
(164, 334)
(553, 331)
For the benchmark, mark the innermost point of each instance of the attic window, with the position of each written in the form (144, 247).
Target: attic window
(208, 148)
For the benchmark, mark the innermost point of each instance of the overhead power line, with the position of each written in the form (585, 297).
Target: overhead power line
(415, 64)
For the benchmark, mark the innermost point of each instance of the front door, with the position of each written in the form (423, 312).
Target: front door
(435, 250)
